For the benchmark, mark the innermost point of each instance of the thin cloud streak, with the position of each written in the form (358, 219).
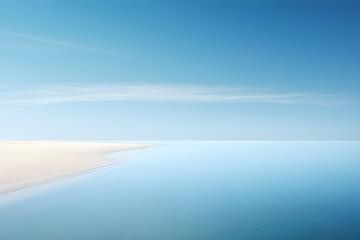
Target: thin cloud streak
(24, 46)
(159, 93)
(58, 43)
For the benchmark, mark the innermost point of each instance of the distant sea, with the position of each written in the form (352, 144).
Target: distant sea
(226, 190)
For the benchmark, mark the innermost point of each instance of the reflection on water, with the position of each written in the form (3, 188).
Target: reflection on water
(203, 190)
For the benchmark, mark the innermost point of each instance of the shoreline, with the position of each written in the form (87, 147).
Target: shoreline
(25, 164)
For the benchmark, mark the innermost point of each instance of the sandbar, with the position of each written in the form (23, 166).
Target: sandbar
(24, 164)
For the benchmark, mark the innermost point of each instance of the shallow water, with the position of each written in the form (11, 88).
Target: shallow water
(200, 190)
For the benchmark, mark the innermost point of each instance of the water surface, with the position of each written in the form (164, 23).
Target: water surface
(201, 190)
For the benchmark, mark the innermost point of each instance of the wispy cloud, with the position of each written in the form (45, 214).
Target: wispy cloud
(23, 46)
(53, 42)
(158, 93)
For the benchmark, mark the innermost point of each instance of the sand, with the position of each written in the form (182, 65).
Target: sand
(24, 164)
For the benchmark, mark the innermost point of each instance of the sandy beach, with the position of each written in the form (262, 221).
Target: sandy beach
(25, 164)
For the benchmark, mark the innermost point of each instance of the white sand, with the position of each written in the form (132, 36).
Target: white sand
(28, 163)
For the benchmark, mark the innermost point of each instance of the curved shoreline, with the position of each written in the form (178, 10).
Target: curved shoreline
(25, 164)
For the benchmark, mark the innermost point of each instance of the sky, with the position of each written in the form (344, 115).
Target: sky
(179, 70)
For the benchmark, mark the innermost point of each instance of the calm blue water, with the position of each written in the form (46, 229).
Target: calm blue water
(201, 191)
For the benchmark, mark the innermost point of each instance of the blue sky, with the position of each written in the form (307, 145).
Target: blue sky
(216, 70)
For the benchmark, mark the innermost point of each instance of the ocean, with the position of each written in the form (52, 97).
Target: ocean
(200, 190)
